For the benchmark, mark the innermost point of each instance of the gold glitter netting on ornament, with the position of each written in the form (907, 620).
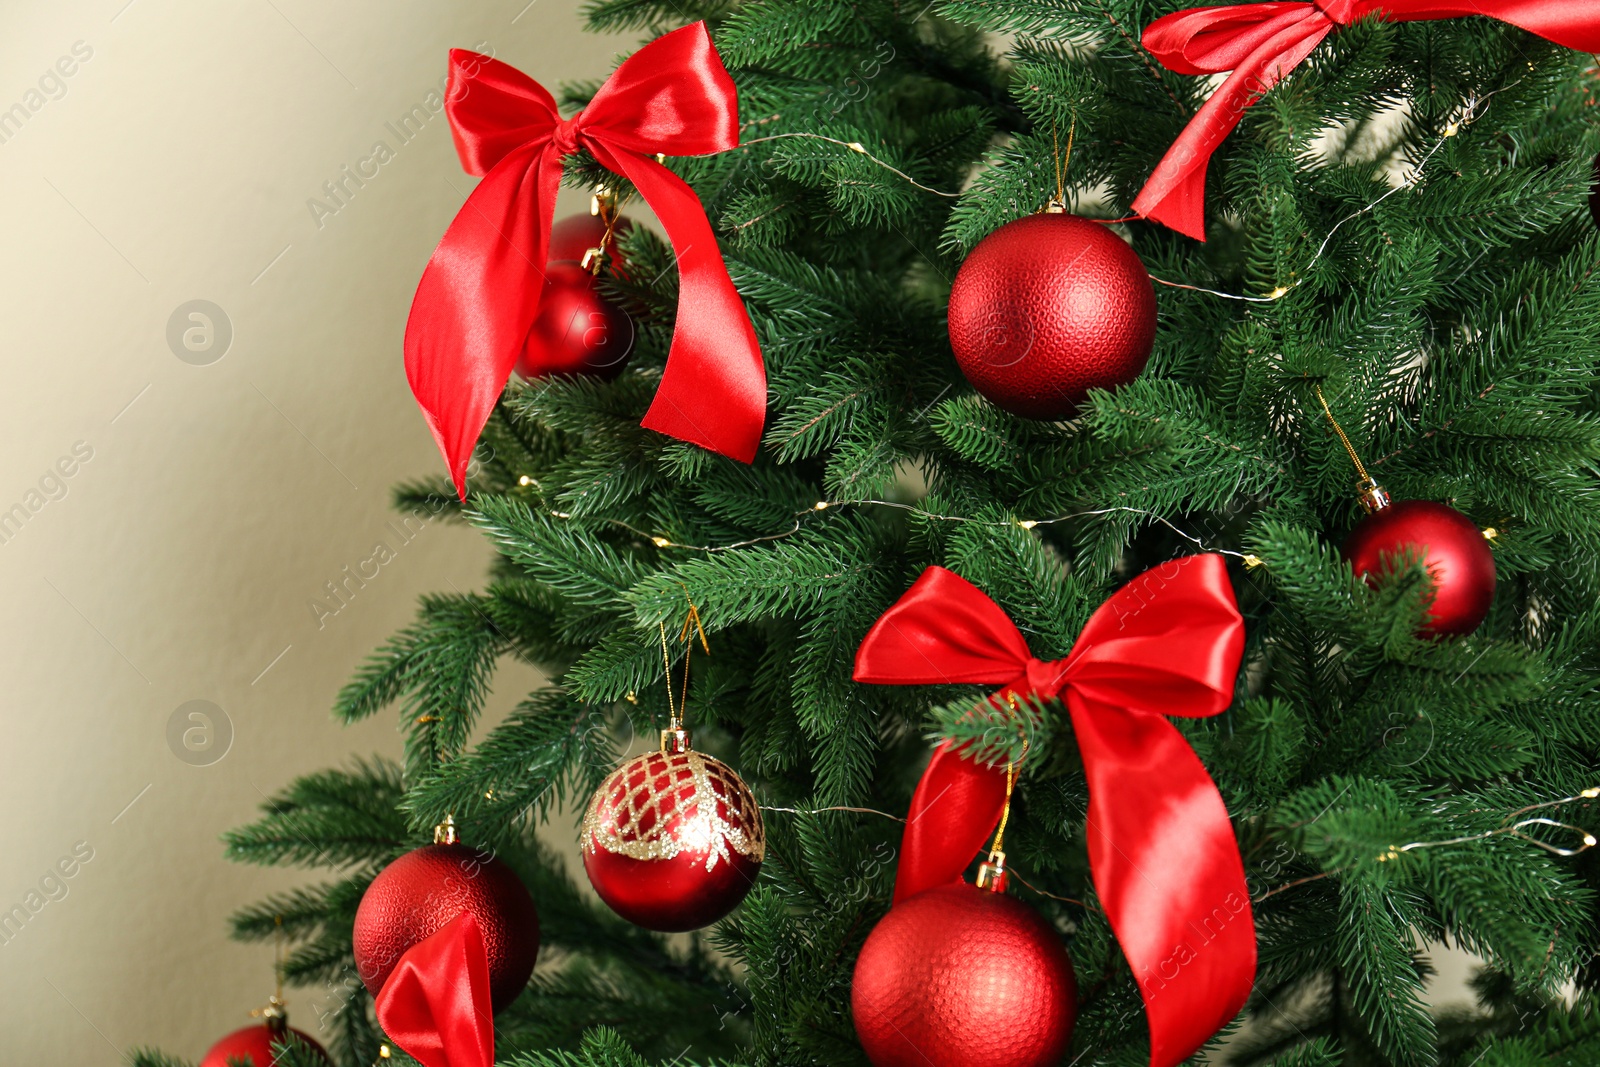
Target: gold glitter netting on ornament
(663, 803)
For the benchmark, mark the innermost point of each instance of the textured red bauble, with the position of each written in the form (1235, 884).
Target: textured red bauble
(253, 1045)
(420, 892)
(573, 236)
(1048, 307)
(673, 841)
(1452, 548)
(958, 976)
(578, 330)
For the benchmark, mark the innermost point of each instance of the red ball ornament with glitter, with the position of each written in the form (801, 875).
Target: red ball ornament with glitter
(1048, 307)
(672, 840)
(958, 976)
(578, 329)
(1451, 547)
(417, 894)
(253, 1045)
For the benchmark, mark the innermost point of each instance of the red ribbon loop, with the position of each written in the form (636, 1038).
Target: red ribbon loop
(1162, 852)
(480, 291)
(1261, 43)
(435, 1003)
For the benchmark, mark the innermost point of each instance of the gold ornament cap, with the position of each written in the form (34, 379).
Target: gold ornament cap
(445, 832)
(674, 741)
(275, 1015)
(992, 874)
(1373, 497)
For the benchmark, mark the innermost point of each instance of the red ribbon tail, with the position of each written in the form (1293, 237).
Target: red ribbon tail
(1175, 195)
(954, 810)
(477, 300)
(1166, 867)
(436, 1004)
(713, 392)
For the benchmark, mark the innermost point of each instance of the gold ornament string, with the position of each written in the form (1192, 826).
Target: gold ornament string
(691, 627)
(1059, 202)
(277, 963)
(1005, 809)
(273, 1013)
(998, 848)
(1348, 447)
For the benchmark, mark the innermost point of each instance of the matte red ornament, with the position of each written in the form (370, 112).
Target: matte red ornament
(1048, 307)
(578, 330)
(576, 234)
(253, 1045)
(419, 893)
(673, 840)
(958, 976)
(1452, 548)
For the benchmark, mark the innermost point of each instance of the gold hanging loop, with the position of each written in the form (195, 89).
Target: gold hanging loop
(675, 738)
(1373, 496)
(992, 874)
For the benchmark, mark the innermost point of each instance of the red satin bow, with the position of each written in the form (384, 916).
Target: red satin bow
(480, 292)
(1161, 850)
(1261, 43)
(435, 1004)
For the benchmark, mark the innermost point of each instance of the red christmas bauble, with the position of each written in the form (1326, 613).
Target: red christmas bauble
(577, 331)
(253, 1045)
(1452, 548)
(573, 236)
(958, 976)
(673, 841)
(1048, 307)
(417, 894)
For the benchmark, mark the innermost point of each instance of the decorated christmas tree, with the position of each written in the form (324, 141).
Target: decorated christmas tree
(1074, 540)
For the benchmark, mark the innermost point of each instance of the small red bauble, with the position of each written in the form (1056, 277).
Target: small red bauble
(577, 331)
(253, 1045)
(573, 236)
(1048, 307)
(673, 840)
(958, 976)
(1452, 548)
(417, 894)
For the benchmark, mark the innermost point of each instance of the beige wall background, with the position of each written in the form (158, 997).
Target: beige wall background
(210, 497)
(176, 563)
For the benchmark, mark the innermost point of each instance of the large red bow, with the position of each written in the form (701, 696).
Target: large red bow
(480, 292)
(1261, 43)
(435, 1003)
(1163, 855)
